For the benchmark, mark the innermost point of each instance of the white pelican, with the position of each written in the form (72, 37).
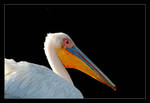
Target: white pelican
(28, 80)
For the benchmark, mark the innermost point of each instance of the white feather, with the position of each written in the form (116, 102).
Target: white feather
(28, 80)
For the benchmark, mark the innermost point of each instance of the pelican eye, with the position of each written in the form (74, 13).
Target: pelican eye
(67, 43)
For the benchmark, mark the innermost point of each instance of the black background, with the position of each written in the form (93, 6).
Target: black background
(112, 36)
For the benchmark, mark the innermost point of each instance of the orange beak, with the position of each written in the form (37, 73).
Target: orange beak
(74, 58)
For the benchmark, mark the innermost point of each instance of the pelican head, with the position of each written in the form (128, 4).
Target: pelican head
(61, 46)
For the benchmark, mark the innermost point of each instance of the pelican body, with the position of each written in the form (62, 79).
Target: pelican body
(28, 80)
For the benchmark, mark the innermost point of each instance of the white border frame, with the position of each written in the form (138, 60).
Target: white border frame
(84, 5)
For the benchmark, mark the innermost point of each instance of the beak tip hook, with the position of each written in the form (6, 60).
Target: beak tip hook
(114, 88)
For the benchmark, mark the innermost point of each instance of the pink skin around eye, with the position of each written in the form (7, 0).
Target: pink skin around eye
(67, 43)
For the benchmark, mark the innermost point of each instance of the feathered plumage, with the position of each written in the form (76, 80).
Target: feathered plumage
(28, 80)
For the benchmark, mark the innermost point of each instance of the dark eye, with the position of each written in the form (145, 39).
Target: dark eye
(67, 42)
